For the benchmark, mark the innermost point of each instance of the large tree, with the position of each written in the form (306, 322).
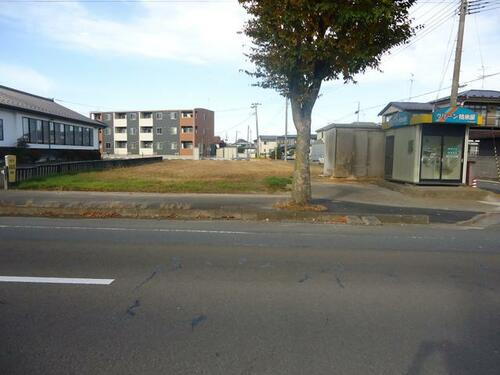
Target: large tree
(298, 44)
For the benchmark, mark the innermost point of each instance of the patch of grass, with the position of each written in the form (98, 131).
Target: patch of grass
(178, 176)
(277, 183)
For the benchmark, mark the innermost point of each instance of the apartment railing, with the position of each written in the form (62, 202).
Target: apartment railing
(45, 170)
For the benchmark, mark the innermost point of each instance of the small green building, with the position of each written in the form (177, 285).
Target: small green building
(426, 145)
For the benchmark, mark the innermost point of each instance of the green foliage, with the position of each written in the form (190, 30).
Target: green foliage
(277, 183)
(297, 44)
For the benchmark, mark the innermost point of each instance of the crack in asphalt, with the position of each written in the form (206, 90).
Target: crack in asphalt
(197, 321)
(130, 310)
(339, 281)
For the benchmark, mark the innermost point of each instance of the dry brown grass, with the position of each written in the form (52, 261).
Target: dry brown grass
(180, 176)
(212, 169)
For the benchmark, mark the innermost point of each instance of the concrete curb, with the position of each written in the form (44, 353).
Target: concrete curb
(482, 220)
(184, 212)
(440, 192)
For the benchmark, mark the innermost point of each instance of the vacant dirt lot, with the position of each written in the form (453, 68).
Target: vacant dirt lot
(180, 176)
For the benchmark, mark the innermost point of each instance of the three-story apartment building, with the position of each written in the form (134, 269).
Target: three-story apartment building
(183, 133)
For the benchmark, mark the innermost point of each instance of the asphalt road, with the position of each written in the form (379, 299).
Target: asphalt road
(248, 298)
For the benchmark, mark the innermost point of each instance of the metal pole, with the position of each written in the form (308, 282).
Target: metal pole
(458, 54)
(357, 112)
(255, 106)
(286, 129)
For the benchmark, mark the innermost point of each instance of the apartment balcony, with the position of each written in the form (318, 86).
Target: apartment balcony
(146, 134)
(145, 121)
(187, 137)
(120, 122)
(187, 121)
(120, 136)
(146, 151)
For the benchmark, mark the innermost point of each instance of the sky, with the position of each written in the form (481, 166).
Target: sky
(117, 55)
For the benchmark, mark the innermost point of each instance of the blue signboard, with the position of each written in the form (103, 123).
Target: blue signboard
(455, 115)
(400, 119)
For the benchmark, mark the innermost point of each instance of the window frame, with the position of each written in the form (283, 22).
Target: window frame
(1, 130)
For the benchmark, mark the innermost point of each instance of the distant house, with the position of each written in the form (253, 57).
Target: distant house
(49, 130)
(268, 143)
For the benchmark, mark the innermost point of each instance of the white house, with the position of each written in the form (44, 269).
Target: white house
(50, 130)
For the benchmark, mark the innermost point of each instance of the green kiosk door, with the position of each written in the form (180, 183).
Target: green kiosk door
(442, 154)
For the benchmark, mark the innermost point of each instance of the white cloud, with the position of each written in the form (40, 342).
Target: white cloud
(25, 79)
(183, 32)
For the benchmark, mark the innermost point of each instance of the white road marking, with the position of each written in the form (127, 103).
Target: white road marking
(54, 280)
(125, 229)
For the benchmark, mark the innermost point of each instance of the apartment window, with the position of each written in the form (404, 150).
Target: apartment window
(159, 115)
(173, 115)
(187, 145)
(132, 116)
(481, 109)
(173, 130)
(120, 115)
(187, 129)
(173, 146)
(146, 115)
(108, 131)
(132, 131)
(204, 116)
(159, 146)
(108, 145)
(146, 129)
(1, 129)
(133, 145)
(146, 144)
(187, 114)
(119, 130)
(107, 117)
(159, 131)
(121, 144)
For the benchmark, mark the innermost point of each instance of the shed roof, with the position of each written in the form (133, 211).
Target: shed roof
(473, 94)
(352, 125)
(408, 107)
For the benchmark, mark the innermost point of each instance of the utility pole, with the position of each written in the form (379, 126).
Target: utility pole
(254, 107)
(458, 54)
(357, 112)
(412, 79)
(236, 137)
(286, 129)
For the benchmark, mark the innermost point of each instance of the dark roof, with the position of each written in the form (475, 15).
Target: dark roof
(20, 100)
(473, 94)
(352, 125)
(409, 107)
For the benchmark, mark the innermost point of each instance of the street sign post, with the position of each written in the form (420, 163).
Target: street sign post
(11, 163)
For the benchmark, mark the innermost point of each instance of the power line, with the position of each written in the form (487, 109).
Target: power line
(418, 96)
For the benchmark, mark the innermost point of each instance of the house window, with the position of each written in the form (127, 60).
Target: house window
(159, 131)
(173, 115)
(173, 146)
(39, 132)
(46, 132)
(1, 129)
(26, 129)
(173, 130)
(60, 134)
(108, 145)
(132, 116)
(159, 115)
(52, 133)
(91, 137)
(69, 134)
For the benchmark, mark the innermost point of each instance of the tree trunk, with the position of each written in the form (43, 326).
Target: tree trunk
(301, 187)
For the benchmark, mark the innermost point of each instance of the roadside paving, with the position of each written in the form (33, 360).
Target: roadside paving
(353, 203)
